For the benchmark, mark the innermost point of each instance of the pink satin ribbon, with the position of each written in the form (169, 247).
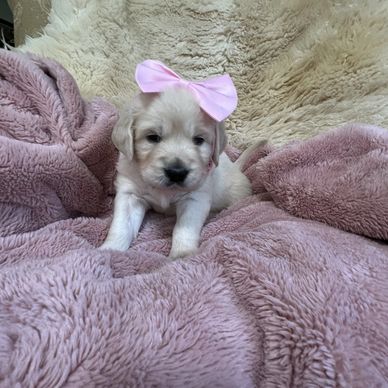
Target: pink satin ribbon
(217, 96)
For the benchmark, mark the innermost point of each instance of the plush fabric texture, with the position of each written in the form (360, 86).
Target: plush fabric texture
(269, 300)
(57, 159)
(339, 178)
(300, 66)
(29, 17)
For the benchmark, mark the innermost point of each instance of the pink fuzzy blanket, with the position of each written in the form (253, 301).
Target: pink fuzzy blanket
(289, 287)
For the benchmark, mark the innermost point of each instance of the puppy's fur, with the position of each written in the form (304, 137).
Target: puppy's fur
(171, 160)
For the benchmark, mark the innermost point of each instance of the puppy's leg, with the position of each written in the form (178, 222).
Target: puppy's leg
(191, 215)
(128, 215)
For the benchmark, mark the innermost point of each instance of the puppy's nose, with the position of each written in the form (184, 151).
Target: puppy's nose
(176, 172)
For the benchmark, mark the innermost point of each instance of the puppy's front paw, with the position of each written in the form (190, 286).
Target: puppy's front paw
(178, 252)
(113, 245)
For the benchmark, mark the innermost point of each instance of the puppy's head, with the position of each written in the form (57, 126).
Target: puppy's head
(171, 138)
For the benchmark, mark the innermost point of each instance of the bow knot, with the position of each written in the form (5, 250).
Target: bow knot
(216, 96)
(185, 82)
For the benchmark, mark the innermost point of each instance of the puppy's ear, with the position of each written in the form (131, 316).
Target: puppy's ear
(220, 141)
(122, 135)
(123, 132)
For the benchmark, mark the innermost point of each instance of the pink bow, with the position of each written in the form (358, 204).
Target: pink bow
(217, 96)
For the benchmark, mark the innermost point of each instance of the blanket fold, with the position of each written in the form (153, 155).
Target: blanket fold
(339, 178)
(56, 156)
(270, 299)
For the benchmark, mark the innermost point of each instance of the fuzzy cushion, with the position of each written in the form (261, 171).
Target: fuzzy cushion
(300, 66)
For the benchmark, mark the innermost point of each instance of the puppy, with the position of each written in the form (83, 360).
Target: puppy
(171, 161)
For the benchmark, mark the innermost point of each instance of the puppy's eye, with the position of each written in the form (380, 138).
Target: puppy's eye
(198, 140)
(154, 138)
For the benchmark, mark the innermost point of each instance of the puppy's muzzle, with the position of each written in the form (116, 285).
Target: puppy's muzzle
(176, 172)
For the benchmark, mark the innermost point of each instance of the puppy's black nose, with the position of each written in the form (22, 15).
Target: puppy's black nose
(176, 172)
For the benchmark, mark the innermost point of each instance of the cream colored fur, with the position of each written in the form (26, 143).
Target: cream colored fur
(154, 135)
(300, 66)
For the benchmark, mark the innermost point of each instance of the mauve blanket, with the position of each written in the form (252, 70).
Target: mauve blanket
(56, 156)
(269, 300)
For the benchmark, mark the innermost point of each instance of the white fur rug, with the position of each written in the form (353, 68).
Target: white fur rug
(300, 66)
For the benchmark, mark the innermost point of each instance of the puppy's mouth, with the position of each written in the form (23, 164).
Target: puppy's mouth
(179, 186)
(171, 185)
(165, 184)
(185, 186)
(174, 184)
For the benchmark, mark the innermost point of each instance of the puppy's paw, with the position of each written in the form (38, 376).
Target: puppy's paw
(113, 245)
(179, 252)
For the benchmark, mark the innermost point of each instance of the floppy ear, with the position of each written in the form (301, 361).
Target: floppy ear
(220, 142)
(123, 132)
(122, 135)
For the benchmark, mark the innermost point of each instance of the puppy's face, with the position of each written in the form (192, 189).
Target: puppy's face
(173, 140)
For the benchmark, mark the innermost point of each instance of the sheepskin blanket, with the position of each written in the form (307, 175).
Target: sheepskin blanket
(269, 300)
(300, 66)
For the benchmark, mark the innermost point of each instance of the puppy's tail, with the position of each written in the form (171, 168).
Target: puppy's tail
(245, 157)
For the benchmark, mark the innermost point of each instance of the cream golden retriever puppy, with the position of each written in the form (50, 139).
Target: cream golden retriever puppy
(171, 161)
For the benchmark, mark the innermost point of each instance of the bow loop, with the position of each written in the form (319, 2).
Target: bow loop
(216, 96)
